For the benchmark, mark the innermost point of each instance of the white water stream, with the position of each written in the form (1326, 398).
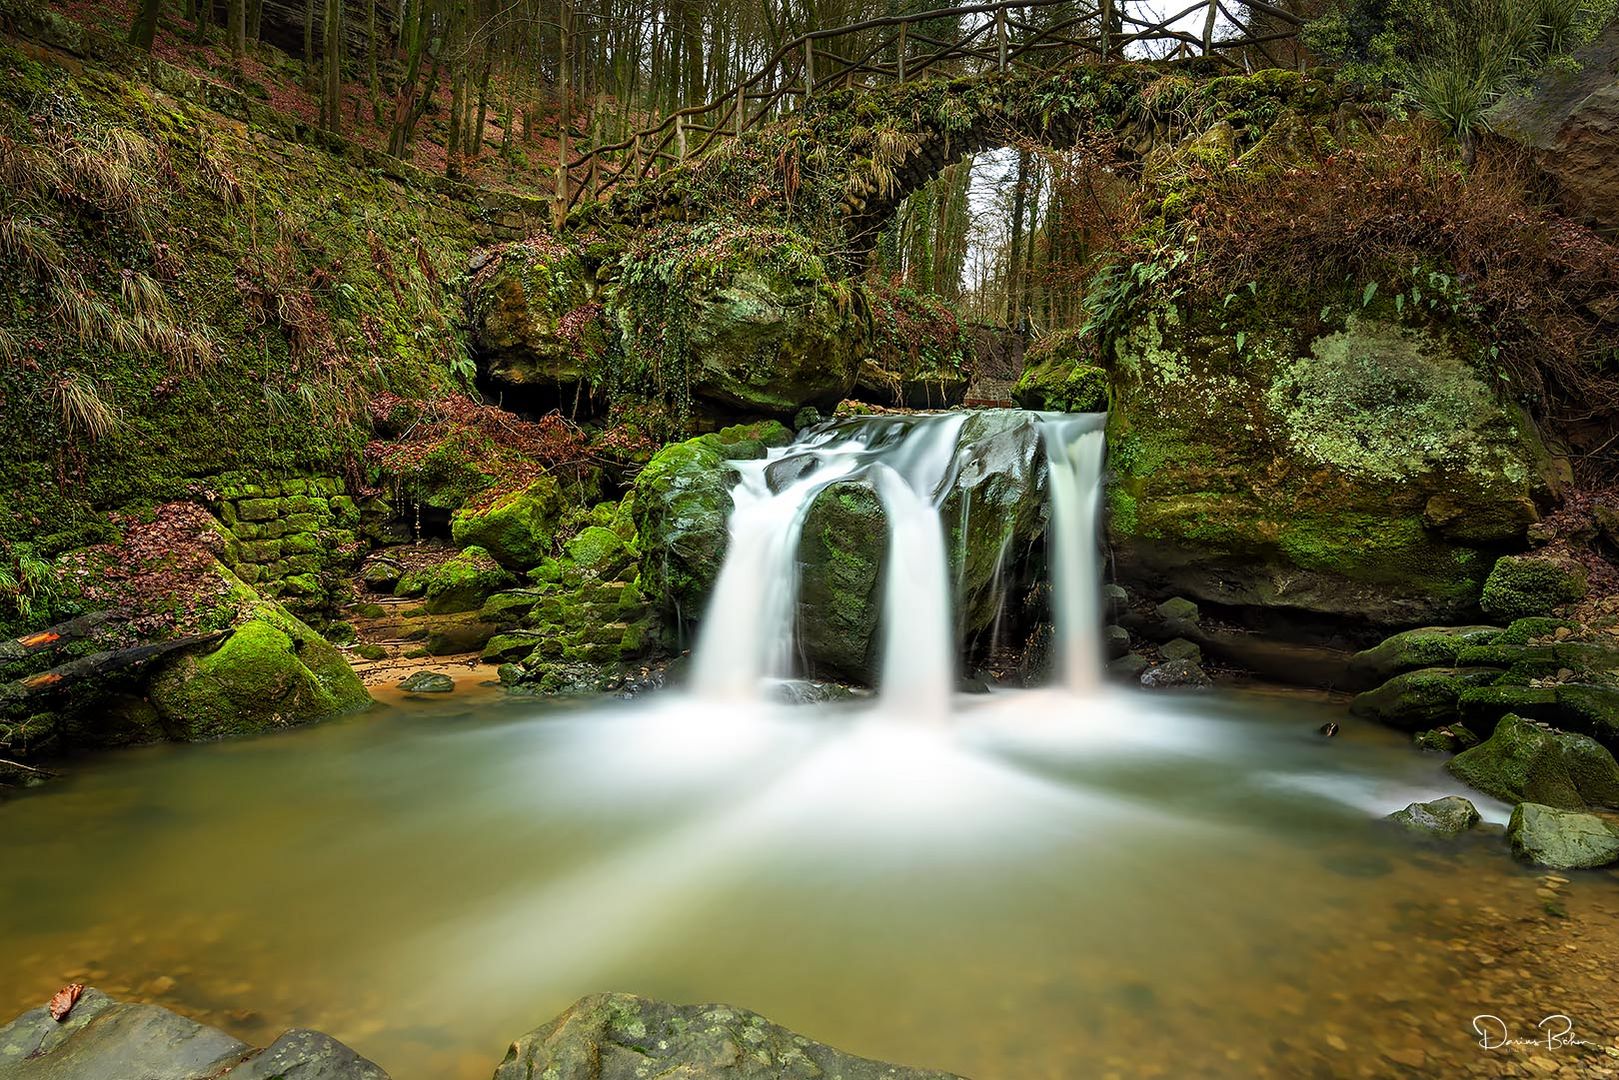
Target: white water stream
(746, 646)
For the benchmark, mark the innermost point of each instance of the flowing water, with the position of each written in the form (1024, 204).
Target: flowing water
(1037, 885)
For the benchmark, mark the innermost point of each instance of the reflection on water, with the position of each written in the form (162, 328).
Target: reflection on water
(1051, 888)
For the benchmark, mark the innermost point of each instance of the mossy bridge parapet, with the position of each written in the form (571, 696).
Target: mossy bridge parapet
(991, 42)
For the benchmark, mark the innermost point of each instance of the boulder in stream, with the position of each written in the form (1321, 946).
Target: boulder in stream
(1445, 818)
(103, 1039)
(1524, 762)
(1562, 839)
(623, 1037)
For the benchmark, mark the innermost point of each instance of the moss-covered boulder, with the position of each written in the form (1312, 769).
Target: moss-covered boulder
(735, 318)
(1425, 647)
(1523, 762)
(623, 1037)
(993, 512)
(1420, 699)
(1345, 464)
(1444, 819)
(271, 672)
(681, 507)
(840, 554)
(464, 582)
(1520, 586)
(516, 529)
(1062, 373)
(1562, 839)
(534, 317)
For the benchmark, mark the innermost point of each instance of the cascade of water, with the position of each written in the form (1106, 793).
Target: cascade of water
(1075, 448)
(919, 645)
(747, 634)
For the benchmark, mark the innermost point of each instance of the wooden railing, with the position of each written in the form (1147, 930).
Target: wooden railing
(895, 50)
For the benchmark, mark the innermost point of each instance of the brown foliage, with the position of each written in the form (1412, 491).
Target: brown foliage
(1542, 288)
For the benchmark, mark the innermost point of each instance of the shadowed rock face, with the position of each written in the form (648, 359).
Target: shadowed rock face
(1571, 120)
(103, 1039)
(623, 1037)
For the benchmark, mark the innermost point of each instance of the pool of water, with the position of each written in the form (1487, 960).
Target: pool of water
(1046, 887)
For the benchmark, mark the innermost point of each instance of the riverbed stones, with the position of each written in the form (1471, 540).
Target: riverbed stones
(103, 1039)
(1562, 839)
(1524, 762)
(427, 682)
(1176, 675)
(623, 1037)
(1444, 818)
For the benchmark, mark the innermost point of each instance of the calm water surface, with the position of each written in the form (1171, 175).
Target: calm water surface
(1050, 887)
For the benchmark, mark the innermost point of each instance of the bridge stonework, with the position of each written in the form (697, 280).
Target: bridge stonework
(839, 168)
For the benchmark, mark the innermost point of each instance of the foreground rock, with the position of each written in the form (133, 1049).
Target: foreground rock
(1445, 818)
(1523, 762)
(623, 1037)
(1562, 839)
(103, 1039)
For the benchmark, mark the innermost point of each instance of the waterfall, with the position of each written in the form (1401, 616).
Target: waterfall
(746, 642)
(919, 645)
(1075, 448)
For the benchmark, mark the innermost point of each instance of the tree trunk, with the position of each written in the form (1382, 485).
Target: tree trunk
(458, 92)
(236, 16)
(205, 17)
(311, 73)
(483, 111)
(373, 81)
(1020, 196)
(144, 30)
(332, 98)
(255, 19)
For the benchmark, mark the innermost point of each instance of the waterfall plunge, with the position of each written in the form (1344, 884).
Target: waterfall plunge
(1075, 448)
(746, 641)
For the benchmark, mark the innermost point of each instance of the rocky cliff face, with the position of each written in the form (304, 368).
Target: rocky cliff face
(1356, 467)
(1571, 120)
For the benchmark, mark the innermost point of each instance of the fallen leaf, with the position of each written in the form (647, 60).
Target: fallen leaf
(64, 1000)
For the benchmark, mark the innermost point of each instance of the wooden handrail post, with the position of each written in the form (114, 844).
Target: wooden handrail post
(902, 27)
(1000, 35)
(1208, 27)
(809, 68)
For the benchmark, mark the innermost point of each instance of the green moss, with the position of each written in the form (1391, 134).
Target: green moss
(464, 582)
(272, 671)
(1522, 586)
(517, 529)
(1520, 762)
(1060, 373)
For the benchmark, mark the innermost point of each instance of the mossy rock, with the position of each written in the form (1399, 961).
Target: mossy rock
(682, 506)
(840, 556)
(1425, 647)
(751, 318)
(1062, 373)
(653, 1038)
(271, 672)
(1520, 586)
(517, 529)
(1392, 469)
(1522, 762)
(464, 582)
(533, 317)
(598, 549)
(1443, 819)
(1562, 839)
